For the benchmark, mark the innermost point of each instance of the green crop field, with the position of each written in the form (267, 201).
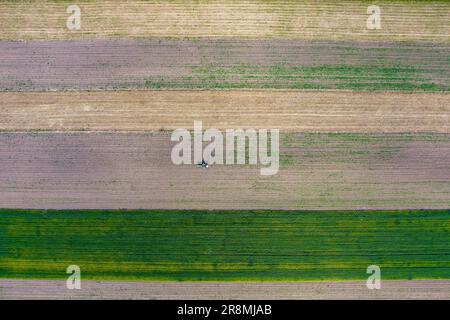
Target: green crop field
(324, 77)
(225, 245)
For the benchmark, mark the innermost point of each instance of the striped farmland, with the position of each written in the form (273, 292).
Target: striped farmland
(85, 148)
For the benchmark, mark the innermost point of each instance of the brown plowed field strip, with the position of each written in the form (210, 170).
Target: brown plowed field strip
(224, 64)
(401, 20)
(47, 289)
(134, 170)
(290, 111)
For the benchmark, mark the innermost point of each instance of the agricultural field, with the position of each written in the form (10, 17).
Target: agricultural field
(224, 64)
(87, 178)
(134, 170)
(166, 110)
(210, 245)
(184, 290)
(419, 20)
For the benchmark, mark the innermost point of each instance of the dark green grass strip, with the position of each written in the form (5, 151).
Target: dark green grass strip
(225, 245)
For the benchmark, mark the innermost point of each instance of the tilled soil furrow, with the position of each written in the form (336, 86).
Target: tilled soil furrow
(134, 170)
(289, 111)
(400, 20)
(47, 289)
(223, 64)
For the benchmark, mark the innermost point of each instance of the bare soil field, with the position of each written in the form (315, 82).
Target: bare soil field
(48, 289)
(223, 64)
(131, 170)
(290, 111)
(401, 20)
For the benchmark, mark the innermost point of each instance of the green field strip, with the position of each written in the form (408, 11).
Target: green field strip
(225, 245)
(323, 77)
(168, 110)
(224, 64)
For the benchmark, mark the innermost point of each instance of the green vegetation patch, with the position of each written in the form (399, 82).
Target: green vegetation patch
(225, 245)
(322, 77)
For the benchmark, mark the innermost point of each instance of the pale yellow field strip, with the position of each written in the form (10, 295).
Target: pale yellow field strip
(53, 289)
(290, 111)
(400, 20)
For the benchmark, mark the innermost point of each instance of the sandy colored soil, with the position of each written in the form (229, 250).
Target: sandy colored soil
(401, 20)
(45, 289)
(317, 171)
(290, 111)
(223, 64)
